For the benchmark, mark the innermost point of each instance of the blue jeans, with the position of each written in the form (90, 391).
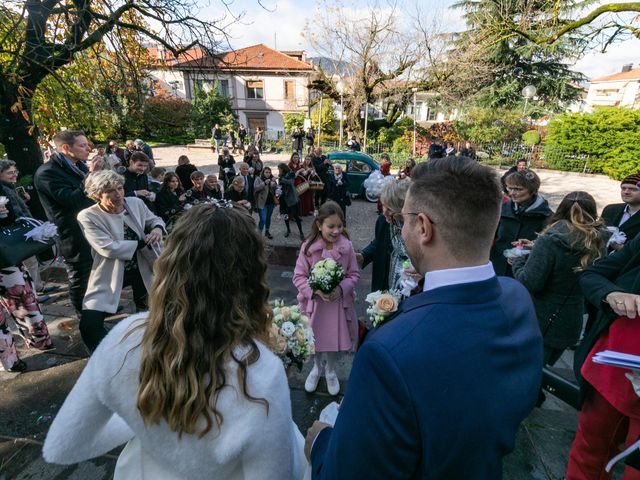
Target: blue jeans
(265, 217)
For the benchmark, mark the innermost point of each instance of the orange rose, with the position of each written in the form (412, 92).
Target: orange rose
(386, 304)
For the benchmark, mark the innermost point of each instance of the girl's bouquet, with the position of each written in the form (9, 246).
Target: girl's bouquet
(291, 335)
(326, 275)
(381, 305)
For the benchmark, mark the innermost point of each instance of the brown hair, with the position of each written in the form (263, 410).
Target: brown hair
(209, 295)
(461, 197)
(327, 209)
(167, 179)
(67, 137)
(196, 175)
(138, 157)
(183, 160)
(526, 179)
(579, 212)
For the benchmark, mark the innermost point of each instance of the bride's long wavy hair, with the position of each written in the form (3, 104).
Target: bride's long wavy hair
(209, 295)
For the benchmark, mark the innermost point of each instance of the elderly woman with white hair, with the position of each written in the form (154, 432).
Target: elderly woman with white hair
(392, 199)
(123, 234)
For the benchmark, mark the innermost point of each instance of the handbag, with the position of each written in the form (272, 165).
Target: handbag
(16, 245)
(552, 318)
(316, 185)
(302, 187)
(149, 252)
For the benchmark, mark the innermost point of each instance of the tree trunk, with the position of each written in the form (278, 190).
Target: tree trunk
(17, 133)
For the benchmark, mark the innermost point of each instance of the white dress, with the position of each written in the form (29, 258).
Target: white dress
(100, 414)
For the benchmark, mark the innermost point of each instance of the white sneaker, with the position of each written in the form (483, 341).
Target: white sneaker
(311, 383)
(333, 384)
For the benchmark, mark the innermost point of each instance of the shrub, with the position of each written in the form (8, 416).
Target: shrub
(166, 117)
(292, 120)
(489, 125)
(610, 136)
(531, 137)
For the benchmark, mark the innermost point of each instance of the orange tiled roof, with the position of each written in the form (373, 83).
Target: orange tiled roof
(162, 55)
(620, 76)
(255, 57)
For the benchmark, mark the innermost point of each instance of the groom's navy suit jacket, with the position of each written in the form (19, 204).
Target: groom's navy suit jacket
(440, 390)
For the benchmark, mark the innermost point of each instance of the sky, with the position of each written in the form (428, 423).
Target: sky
(280, 23)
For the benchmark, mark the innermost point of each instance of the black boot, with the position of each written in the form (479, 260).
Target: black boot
(286, 222)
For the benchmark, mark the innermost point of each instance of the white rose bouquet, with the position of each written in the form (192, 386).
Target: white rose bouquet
(381, 305)
(291, 335)
(326, 275)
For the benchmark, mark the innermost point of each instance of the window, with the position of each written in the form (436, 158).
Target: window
(432, 114)
(255, 89)
(289, 90)
(223, 87)
(358, 166)
(202, 86)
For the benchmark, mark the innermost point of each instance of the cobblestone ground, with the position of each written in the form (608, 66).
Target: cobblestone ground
(29, 401)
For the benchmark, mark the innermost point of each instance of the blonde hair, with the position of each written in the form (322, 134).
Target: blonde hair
(578, 210)
(201, 307)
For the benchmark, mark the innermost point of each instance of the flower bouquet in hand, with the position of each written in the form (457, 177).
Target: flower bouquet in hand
(326, 275)
(381, 305)
(290, 334)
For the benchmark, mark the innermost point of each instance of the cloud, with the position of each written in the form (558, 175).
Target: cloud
(596, 64)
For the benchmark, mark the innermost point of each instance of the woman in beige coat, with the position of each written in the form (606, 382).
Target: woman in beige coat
(118, 231)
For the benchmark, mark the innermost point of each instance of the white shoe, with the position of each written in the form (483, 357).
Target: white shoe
(311, 383)
(333, 384)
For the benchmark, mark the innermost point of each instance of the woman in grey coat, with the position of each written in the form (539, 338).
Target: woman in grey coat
(573, 240)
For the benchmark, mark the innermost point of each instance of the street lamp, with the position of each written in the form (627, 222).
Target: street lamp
(341, 87)
(528, 92)
(415, 91)
(366, 121)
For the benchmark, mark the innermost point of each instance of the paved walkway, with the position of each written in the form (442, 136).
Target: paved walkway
(30, 401)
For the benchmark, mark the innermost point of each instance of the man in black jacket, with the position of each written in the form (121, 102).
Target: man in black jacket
(136, 181)
(623, 215)
(321, 165)
(59, 184)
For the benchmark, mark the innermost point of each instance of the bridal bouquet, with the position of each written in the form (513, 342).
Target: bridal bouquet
(381, 304)
(291, 335)
(326, 275)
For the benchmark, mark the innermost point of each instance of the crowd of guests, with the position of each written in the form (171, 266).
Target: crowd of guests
(112, 222)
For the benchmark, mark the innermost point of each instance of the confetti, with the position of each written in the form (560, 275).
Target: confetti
(42, 419)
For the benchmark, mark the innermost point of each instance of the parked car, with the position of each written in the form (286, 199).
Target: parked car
(358, 166)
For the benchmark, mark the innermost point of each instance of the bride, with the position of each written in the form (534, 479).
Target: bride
(190, 386)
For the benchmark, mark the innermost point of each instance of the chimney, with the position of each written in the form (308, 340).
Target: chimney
(627, 67)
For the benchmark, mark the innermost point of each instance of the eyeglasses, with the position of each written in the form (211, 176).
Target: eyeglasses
(397, 219)
(515, 189)
(12, 172)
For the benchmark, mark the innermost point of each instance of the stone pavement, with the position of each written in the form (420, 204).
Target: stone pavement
(29, 401)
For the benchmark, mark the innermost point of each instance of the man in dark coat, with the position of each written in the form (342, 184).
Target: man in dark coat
(297, 140)
(146, 149)
(322, 165)
(378, 252)
(136, 181)
(436, 150)
(439, 391)
(249, 179)
(60, 185)
(623, 215)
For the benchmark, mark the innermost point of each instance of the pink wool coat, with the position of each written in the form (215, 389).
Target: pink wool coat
(334, 324)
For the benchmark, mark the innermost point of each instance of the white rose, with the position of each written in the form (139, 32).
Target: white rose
(319, 271)
(330, 264)
(287, 329)
(278, 318)
(295, 316)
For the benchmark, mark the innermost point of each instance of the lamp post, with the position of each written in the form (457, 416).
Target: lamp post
(341, 87)
(366, 122)
(528, 92)
(414, 90)
(320, 118)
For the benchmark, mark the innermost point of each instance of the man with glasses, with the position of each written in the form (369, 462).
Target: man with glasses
(439, 390)
(623, 215)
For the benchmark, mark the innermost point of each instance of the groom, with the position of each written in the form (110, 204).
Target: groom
(440, 390)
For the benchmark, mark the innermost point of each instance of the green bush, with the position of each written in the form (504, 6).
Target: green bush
(531, 137)
(166, 117)
(207, 109)
(489, 125)
(610, 136)
(292, 120)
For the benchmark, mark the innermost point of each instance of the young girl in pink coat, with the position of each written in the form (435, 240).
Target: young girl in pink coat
(333, 315)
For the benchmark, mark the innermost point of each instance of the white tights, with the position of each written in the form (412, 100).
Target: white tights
(325, 362)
